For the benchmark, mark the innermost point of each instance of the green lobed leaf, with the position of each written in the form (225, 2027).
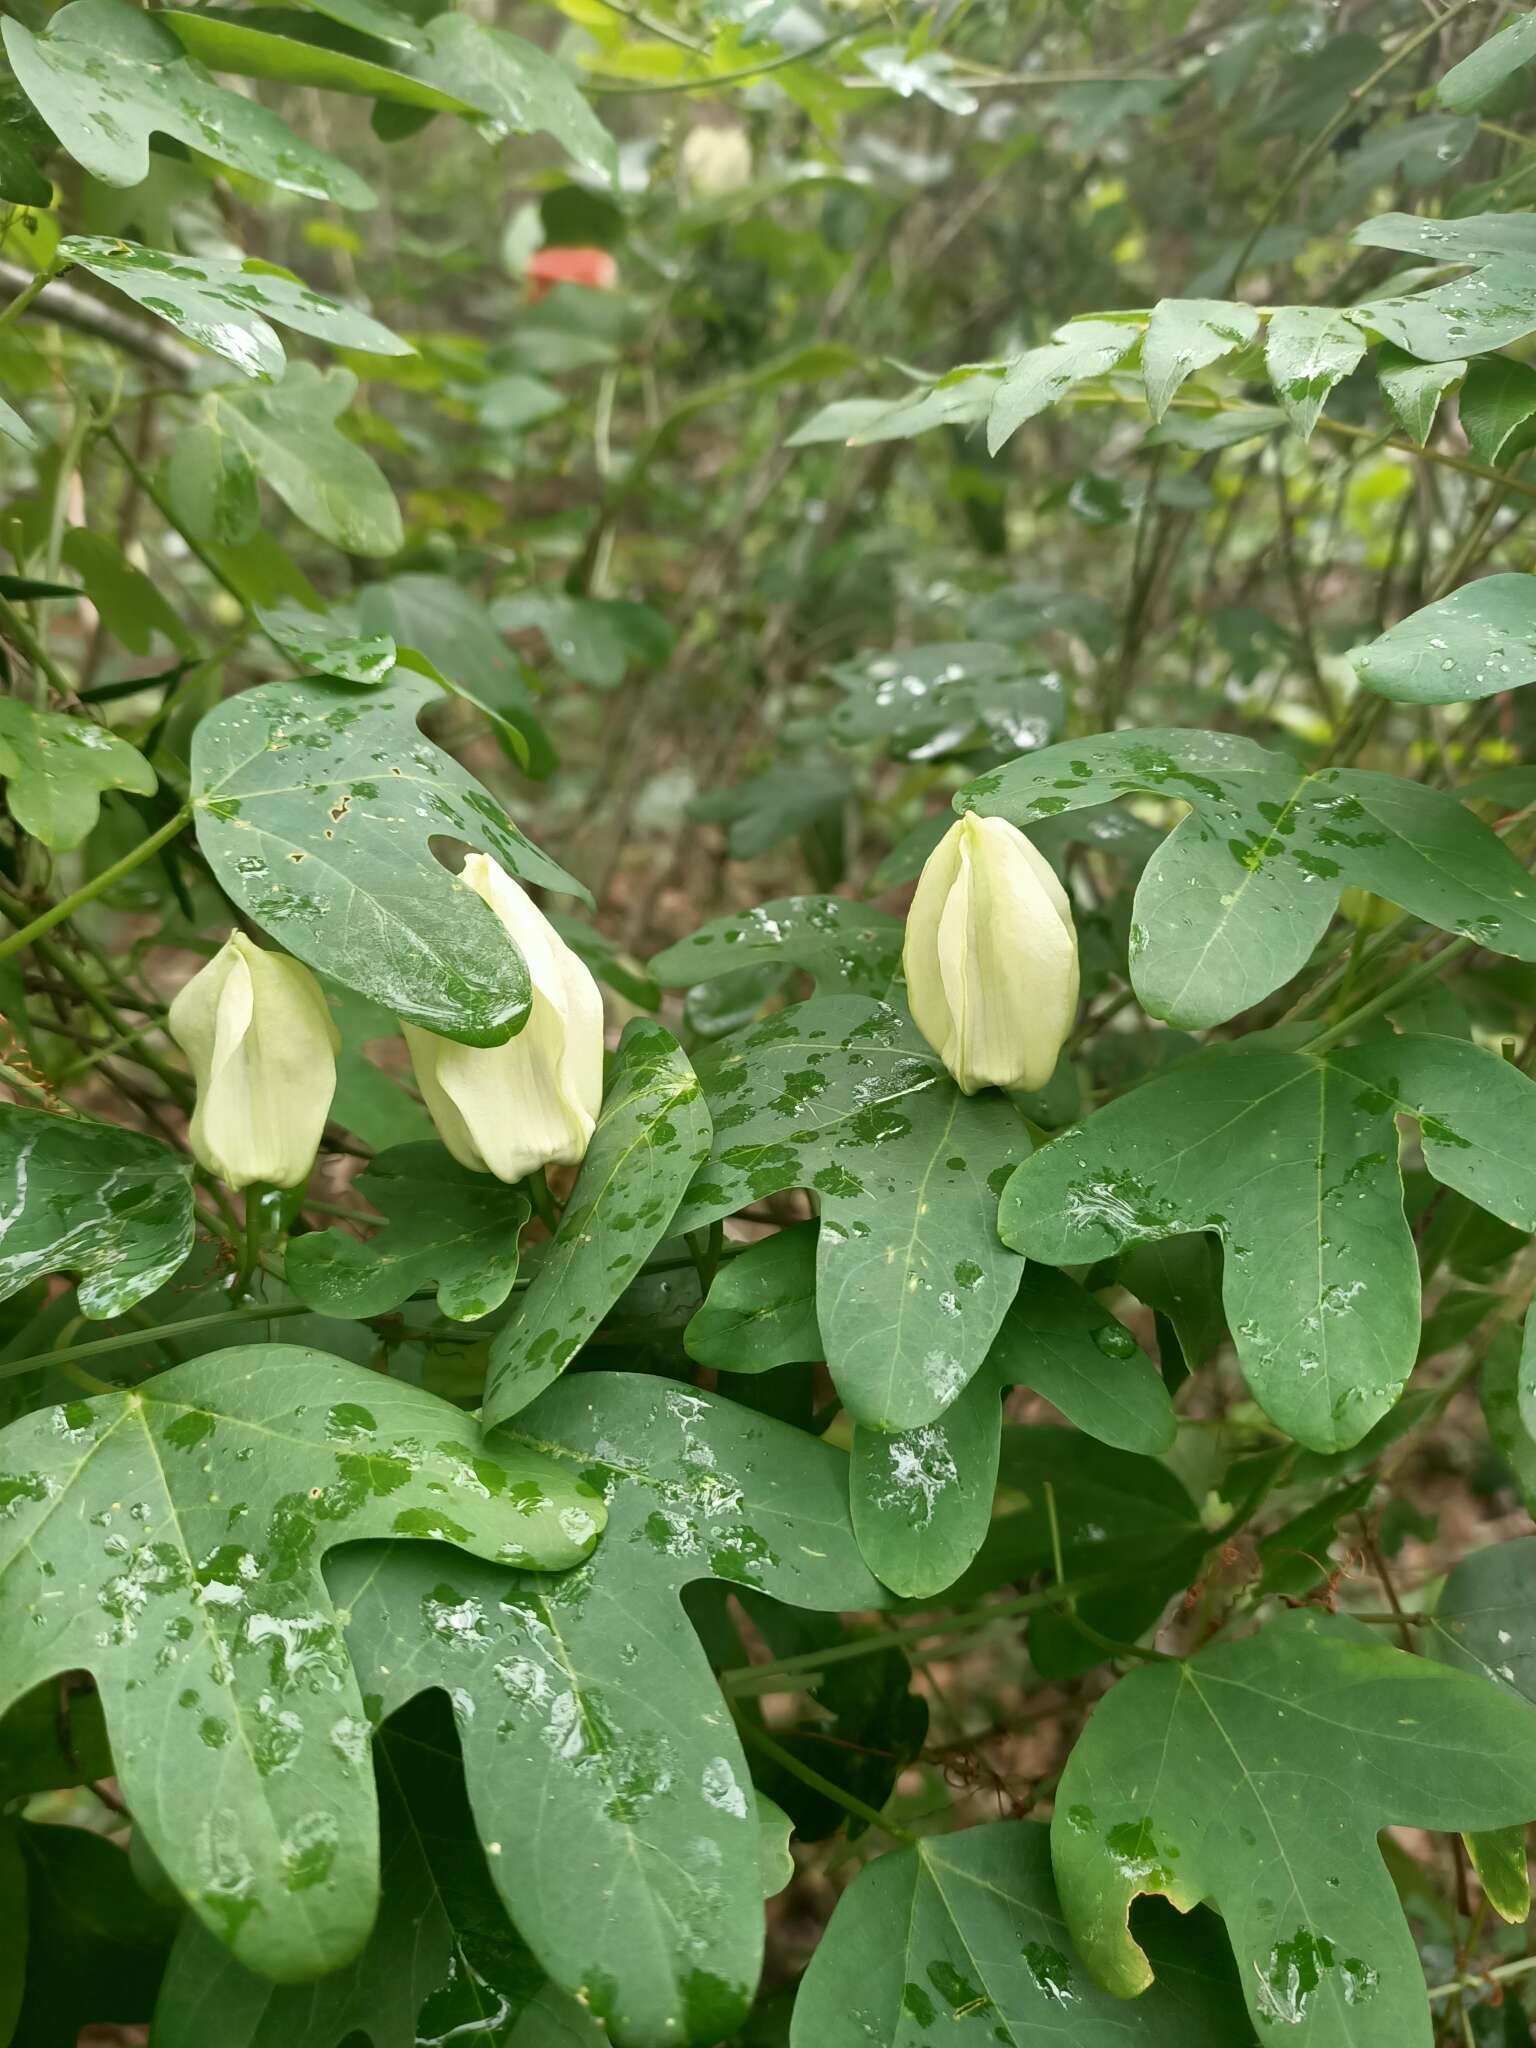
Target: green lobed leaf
(113, 1206)
(1233, 902)
(761, 1307)
(1477, 642)
(211, 1494)
(1206, 1779)
(55, 767)
(1081, 349)
(652, 1136)
(840, 944)
(105, 77)
(288, 433)
(448, 1228)
(607, 1780)
(226, 305)
(315, 809)
(1292, 1159)
(453, 629)
(922, 1498)
(1307, 351)
(841, 1096)
(442, 1963)
(963, 1932)
(1185, 335)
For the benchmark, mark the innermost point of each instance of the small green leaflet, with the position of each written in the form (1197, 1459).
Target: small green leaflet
(105, 77)
(55, 768)
(1293, 1160)
(923, 1498)
(211, 484)
(1478, 76)
(518, 88)
(288, 432)
(226, 43)
(1487, 309)
(964, 1932)
(227, 305)
(1307, 350)
(841, 1096)
(441, 1964)
(608, 1783)
(315, 809)
(927, 701)
(1081, 349)
(1233, 902)
(132, 607)
(1413, 389)
(1471, 238)
(761, 1307)
(652, 1136)
(211, 1494)
(325, 646)
(113, 1206)
(1185, 335)
(1475, 643)
(449, 1228)
(1496, 405)
(1205, 1778)
(841, 945)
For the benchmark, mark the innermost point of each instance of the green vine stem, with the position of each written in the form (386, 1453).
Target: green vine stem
(97, 886)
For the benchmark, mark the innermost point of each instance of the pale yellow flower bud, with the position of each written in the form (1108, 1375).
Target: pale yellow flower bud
(991, 957)
(533, 1102)
(716, 160)
(262, 1044)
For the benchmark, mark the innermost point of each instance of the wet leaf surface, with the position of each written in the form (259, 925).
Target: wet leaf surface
(113, 1206)
(1477, 642)
(106, 77)
(448, 1228)
(651, 1138)
(843, 946)
(1307, 351)
(169, 1540)
(1293, 1161)
(225, 305)
(608, 1784)
(1035, 380)
(925, 702)
(56, 767)
(316, 810)
(441, 1965)
(961, 1938)
(842, 1097)
(1238, 895)
(923, 1498)
(1257, 1775)
(1185, 335)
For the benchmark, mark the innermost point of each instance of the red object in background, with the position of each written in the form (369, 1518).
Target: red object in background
(594, 268)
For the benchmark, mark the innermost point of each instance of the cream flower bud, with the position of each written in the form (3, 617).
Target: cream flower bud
(510, 1109)
(991, 957)
(257, 1031)
(716, 160)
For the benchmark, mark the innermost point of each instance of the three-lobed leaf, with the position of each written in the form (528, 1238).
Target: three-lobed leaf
(1257, 1775)
(169, 1540)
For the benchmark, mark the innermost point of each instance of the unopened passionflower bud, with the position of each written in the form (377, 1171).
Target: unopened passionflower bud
(533, 1102)
(262, 1044)
(716, 159)
(991, 957)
